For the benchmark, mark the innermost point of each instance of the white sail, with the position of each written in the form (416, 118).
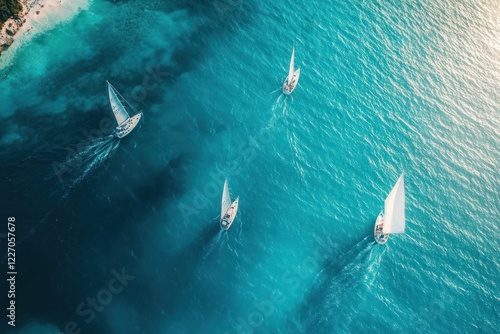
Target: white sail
(119, 110)
(292, 65)
(226, 199)
(394, 212)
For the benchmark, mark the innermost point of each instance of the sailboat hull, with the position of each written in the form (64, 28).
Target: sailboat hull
(380, 236)
(228, 218)
(126, 127)
(289, 85)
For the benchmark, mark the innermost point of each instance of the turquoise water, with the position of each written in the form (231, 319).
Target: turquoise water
(385, 87)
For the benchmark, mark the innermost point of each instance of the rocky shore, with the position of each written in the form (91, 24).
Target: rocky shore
(11, 27)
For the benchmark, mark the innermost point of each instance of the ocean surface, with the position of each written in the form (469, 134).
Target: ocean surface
(131, 226)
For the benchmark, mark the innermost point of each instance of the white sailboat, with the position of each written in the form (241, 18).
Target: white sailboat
(392, 219)
(125, 123)
(228, 209)
(293, 76)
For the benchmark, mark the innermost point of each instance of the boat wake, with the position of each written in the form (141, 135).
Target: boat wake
(86, 160)
(214, 239)
(275, 108)
(277, 90)
(294, 143)
(72, 172)
(277, 104)
(285, 105)
(341, 282)
(353, 265)
(209, 248)
(372, 269)
(222, 238)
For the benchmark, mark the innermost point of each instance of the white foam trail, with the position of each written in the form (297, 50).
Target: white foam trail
(361, 271)
(225, 240)
(293, 141)
(374, 260)
(352, 264)
(210, 247)
(95, 153)
(276, 103)
(275, 118)
(285, 109)
(92, 157)
(361, 252)
(94, 148)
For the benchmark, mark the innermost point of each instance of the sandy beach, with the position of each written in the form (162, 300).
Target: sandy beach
(34, 11)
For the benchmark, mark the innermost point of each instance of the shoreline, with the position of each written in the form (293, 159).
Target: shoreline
(13, 27)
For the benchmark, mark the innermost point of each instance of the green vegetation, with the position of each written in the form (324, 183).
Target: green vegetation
(9, 8)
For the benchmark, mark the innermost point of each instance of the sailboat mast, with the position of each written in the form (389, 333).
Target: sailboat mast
(119, 110)
(226, 199)
(291, 70)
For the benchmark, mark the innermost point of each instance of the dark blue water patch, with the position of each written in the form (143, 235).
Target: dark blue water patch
(169, 289)
(52, 166)
(76, 239)
(71, 225)
(338, 277)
